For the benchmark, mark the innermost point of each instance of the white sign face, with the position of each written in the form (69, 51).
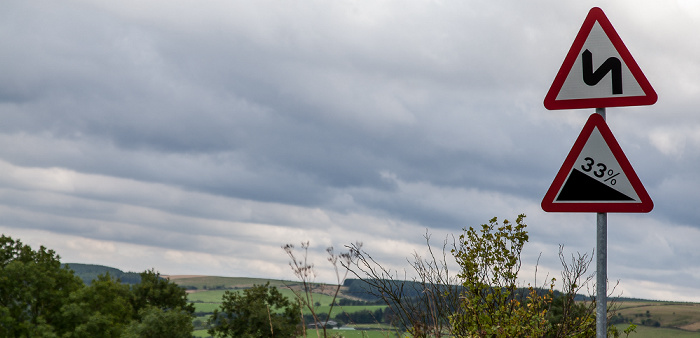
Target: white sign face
(596, 176)
(604, 60)
(599, 71)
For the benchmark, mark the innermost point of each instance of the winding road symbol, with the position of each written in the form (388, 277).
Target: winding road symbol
(599, 71)
(611, 65)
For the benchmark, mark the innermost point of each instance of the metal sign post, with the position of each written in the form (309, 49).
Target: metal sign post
(596, 176)
(601, 310)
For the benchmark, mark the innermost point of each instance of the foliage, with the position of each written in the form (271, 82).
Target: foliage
(490, 261)
(261, 311)
(156, 322)
(108, 308)
(99, 310)
(33, 288)
(483, 299)
(361, 317)
(40, 297)
(153, 290)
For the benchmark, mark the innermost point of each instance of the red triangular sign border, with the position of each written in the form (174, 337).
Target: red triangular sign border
(550, 100)
(596, 121)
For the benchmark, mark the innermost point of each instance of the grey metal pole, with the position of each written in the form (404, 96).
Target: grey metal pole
(601, 313)
(601, 268)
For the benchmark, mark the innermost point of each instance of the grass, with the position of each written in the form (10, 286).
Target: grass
(668, 314)
(332, 333)
(675, 319)
(207, 301)
(215, 282)
(207, 296)
(206, 307)
(361, 334)
(655, 332)
(201, 334)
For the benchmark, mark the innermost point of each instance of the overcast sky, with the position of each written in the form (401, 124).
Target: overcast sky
(198, 137)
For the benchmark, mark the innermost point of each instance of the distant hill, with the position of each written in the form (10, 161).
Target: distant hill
(89, 272)
(194, 282)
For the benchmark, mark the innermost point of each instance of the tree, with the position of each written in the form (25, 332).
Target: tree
(41, 298)
(155, 307)
(160, 308)
(483, 299)
(33, 288)
(490, 262)
(158, 323)
(156, 291)
(99, 310)
(261, 311)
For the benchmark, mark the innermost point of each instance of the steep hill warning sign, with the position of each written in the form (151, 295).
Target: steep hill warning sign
(596, 176)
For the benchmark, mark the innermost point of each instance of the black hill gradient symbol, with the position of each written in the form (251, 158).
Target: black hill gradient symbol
(612, 64)
(581, 187)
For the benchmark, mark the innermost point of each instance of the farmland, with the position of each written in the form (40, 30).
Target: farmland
(653, 319)
(206, 292)
(660, 319)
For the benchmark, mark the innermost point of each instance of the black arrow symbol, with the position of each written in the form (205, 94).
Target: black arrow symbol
(612, 64)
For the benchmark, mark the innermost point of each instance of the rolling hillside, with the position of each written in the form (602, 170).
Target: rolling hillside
(653, 318)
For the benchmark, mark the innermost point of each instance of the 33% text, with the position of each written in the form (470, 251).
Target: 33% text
(600, 170)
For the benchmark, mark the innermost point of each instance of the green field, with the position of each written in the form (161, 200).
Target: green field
(358, 333)
(214, 282)
(656, 332)
(207, 296)
(653, 319)
(207, 301)
(668, 314)
(660, 319)
(206, 307)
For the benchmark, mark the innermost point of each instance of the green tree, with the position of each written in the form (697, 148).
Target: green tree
(160, 308)
(99, 310)
(261, 311)
(33, 288)
(490, 261)
(156, 291)
(158, 323)
(483, 299)
(41, 298)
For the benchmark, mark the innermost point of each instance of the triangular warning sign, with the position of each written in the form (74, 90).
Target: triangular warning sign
(596, 176)
(599, 71)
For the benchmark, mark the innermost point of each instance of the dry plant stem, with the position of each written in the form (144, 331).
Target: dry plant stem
(345, 260)
(438, 298)
(269, 318)
(305, 273)
(575, 278)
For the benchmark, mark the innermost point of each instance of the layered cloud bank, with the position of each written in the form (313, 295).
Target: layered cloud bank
(199, 137)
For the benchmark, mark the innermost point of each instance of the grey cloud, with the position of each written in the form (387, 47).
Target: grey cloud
(177, 122)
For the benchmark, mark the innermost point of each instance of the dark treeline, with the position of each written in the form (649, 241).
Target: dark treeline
(410, 289)
(41, 297)
(90, 272)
